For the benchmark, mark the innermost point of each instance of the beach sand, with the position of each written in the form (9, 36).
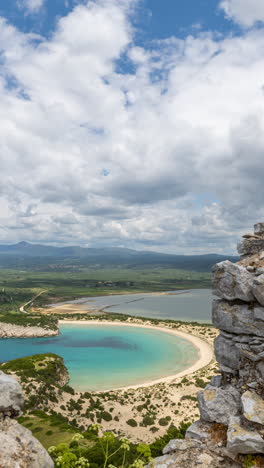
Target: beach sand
(205, 349)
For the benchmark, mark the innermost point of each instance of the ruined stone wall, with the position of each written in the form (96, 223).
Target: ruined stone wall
(230, 431)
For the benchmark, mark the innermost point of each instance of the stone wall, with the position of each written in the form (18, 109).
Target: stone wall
(230, 431)
(18, 447)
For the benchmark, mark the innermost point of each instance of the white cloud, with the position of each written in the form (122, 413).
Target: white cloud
(32, 6)
(244, 12)
(168, 158)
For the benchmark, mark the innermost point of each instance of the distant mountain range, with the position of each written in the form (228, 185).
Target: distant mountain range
(25, 254)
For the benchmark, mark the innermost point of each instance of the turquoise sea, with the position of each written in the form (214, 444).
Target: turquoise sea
(102, 357)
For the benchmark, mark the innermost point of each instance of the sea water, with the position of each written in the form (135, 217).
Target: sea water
(102, 357)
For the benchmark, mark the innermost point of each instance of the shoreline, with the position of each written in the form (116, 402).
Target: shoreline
(206, 353)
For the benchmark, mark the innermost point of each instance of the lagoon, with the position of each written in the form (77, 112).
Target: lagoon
(192, 305)
(103, 357)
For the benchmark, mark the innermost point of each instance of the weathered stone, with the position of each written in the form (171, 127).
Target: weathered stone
(226, 352)
(259, 271)
(232, 281)
(227, 370)
(259, 228)
(253, 407)
(250, 246)
(260, 369)
(204, 460)
(216, 381)
(218, 404)
(238, 318)
(198, 431)
(179, 444)
(241, 338)
(243, 441)
(18, 448)
(258, 289)
(11, 396)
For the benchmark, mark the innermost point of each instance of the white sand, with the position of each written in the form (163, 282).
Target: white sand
(205, 349)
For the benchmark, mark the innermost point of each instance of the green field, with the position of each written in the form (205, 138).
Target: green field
(21, 285)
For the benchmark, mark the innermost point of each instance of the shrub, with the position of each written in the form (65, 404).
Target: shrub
(163, 422)
(132, 422)
(148, 420)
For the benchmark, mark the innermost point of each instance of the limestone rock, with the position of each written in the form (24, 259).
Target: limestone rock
(243, 441)
(238, 318)
(198, 430)
(260, 369)
(219, 404)
(19, 449)
(227, 354)
(11, 396)
(179, 444)
(259, 229)
(253, 407)
(258, 288)
(232, 281)
(8, 330)
(250, 246)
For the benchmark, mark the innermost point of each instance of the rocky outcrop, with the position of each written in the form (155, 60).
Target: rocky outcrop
(231, 425)
(8, 330)
(18, 447)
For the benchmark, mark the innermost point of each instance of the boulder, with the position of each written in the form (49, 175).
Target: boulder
(253, 407)
(250, 246)
(238, 318)
(227, 354)
(219, 404)
(232, 281)
(11, 396)
(242, 441)
(258, 289)
(259, 229)
(18, 448)
(179, 444)
(198, 430)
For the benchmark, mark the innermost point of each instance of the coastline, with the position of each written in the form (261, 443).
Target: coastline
(206, 354)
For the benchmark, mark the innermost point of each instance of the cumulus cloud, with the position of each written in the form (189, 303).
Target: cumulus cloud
(167, 157)
(244, 12)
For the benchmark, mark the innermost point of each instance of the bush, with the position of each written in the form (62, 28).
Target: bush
(163, 422)
(148, 420)
(132, 422)
(106, 416)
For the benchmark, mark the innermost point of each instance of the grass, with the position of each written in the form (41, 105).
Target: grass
(48, 430)
(22, 285)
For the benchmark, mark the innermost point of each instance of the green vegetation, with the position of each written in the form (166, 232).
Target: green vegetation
(132, 422)
(19, 286)
(41, 367)
(26, 320)
(69, 448)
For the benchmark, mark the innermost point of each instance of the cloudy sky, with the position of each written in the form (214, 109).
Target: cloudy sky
(132, 123)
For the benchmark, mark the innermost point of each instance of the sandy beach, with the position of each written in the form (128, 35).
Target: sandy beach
(206, 354)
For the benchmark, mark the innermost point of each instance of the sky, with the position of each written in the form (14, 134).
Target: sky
(132, 123)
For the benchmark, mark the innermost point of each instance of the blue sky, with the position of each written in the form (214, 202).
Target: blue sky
(134, 123)
(155, 19)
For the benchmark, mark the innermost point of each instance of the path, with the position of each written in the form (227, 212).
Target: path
(22, 308)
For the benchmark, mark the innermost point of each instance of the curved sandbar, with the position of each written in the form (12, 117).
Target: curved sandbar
(205, 349)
